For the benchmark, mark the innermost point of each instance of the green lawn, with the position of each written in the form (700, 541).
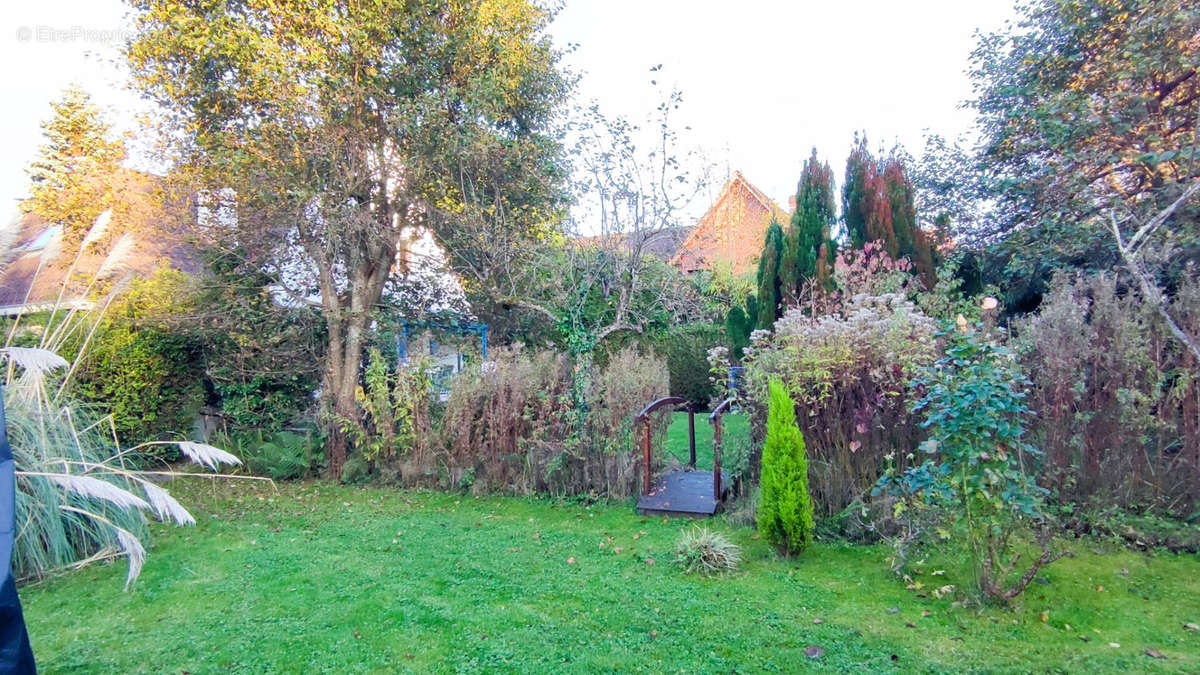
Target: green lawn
(337, 579)
(736, 426)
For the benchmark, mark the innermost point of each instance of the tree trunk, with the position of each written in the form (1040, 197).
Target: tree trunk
(341, 384)
(348, 329)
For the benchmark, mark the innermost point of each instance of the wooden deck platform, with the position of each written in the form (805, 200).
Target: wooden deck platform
(681, 493)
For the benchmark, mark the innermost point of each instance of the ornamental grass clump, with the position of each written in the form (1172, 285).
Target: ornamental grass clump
(80, 497)
(702, 551)
(785, 510)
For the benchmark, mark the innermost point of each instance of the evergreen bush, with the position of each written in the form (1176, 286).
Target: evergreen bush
(785, 510)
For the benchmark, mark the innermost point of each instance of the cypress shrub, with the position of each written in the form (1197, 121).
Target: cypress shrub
(785, 510)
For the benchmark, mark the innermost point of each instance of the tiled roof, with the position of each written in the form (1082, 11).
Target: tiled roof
(30, 277)
(662, 243)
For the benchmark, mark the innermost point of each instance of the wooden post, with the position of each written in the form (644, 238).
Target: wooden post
(691, 437)
(646, 453)
(717, 458)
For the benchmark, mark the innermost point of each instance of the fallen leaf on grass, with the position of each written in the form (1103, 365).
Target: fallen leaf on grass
(814, 651)
(1154, 653)
(925, 612)
(1191, 626)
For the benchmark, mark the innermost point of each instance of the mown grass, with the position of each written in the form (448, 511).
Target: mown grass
(325, 578)
(735, 426)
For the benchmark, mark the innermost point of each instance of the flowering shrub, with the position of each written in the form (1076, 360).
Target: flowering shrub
(849, 375)
(871, 271)
(718, 371)
(975, 478)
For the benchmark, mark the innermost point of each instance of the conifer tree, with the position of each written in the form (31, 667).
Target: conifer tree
(808, 248)
(768, 276)
(785, 509)
(737, 330)
(71, 178)
(878, 202)
(858, 165)
(900, 192)
(911, 241)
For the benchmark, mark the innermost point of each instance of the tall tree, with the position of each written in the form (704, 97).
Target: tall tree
(858, 165)
(808, 246)
(71, 178)
(865, 205)
(768, 276)
(1083, 105)
(342, 126)
(912, 241)
(879, 204)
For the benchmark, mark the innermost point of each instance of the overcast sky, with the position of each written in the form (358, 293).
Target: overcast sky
(763, 81)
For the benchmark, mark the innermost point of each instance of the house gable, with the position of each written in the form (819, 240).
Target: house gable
(732, 230)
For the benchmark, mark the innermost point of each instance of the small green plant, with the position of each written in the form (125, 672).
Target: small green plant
(702, 551)
(393, 405)
(976, 479)
(785, 510)
(283, 455)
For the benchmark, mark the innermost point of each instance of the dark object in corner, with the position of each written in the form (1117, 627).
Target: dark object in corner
(16, 656)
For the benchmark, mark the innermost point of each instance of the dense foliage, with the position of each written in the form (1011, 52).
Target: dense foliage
(685, 349)
(807, 263)
(976, 479)
(72, 177)
(512, 426)
(79, 498)
(338, 127)
(1083, 102)
(141, 364)
(1084, 107)
(879, 204)
(849, 374)
(1117, 399)
(769, 298)
(785, 509)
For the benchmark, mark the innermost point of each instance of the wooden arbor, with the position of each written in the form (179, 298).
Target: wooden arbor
(687, 492)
